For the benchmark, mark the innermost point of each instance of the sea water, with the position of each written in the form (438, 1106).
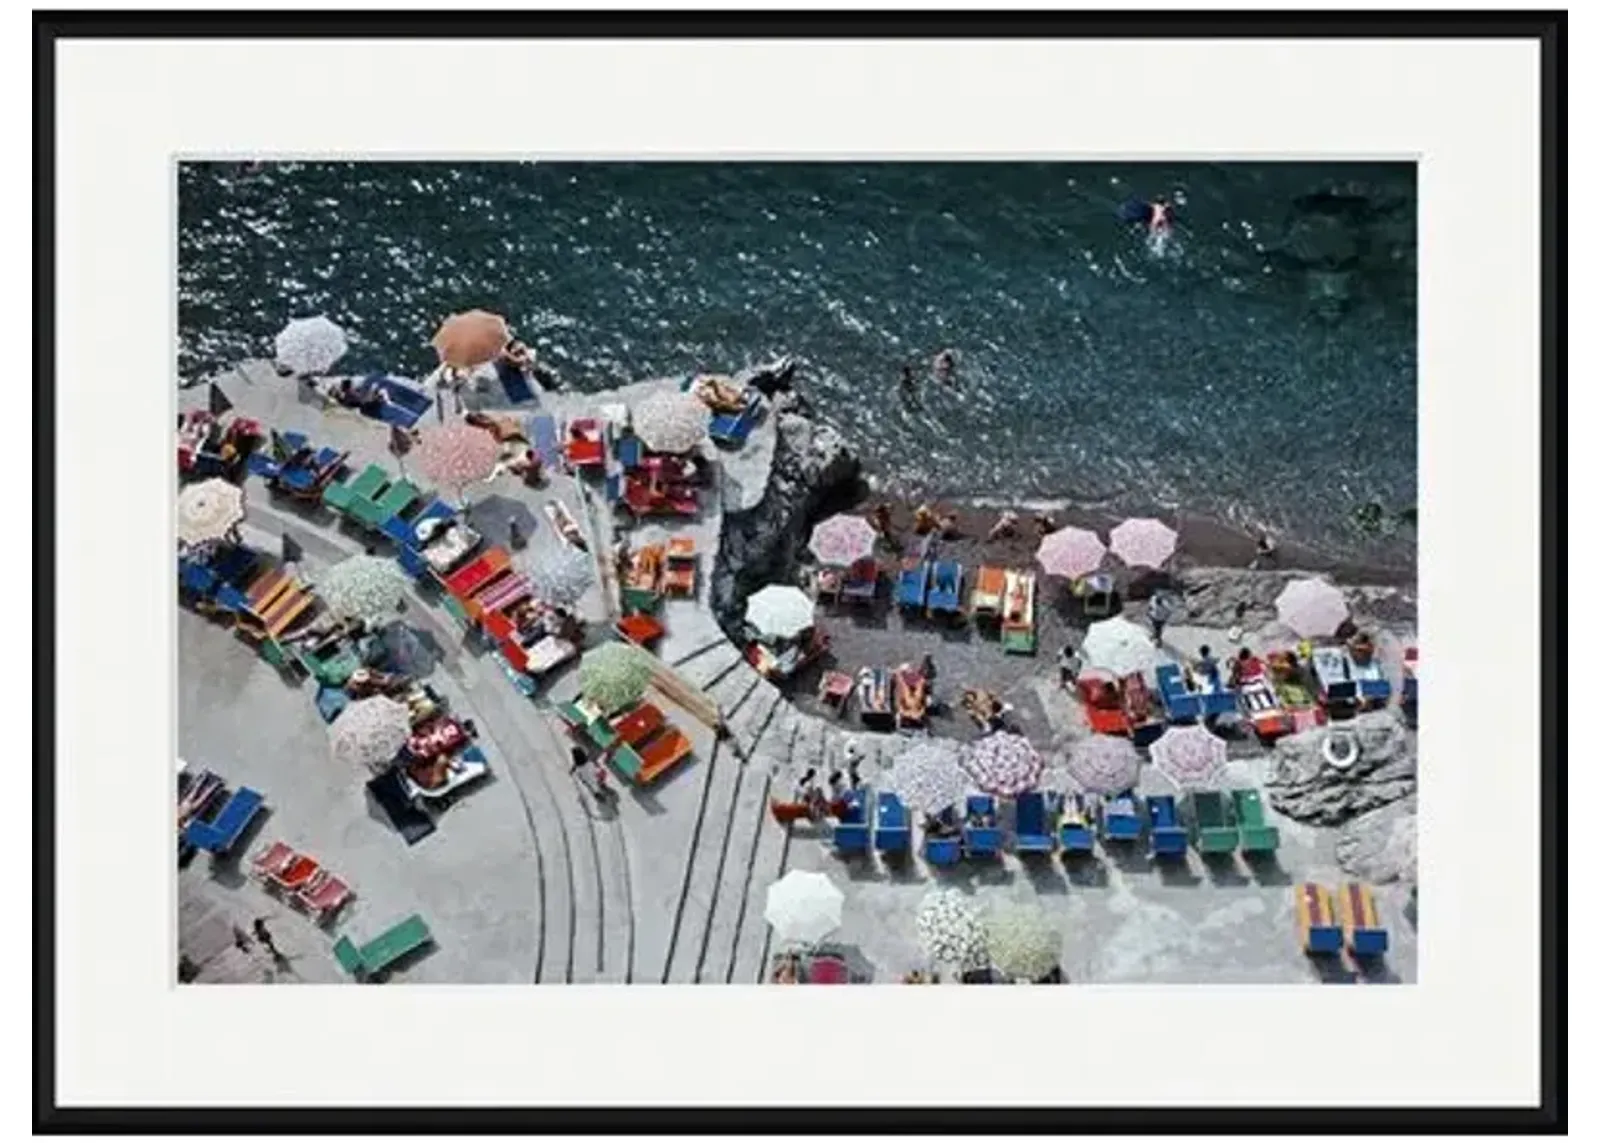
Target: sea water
(1259, 366)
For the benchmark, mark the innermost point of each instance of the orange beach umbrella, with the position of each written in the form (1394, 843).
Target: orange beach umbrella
(467, 340)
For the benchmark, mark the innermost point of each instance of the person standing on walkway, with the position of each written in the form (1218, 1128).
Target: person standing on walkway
(1069, 663)
(579, 759)
(1160, 614)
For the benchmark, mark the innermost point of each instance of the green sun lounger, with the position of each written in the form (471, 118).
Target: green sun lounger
(364, 487)
(332, 670)
(383, 950)
(1211, 823)
(396, 499)
(1255, 835)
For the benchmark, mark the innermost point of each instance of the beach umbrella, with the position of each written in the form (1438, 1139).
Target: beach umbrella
(467, 340)
(560, 575)
(1070, 552)
(803, 907)
(841, 540)
(1119, 646)
(1143, 542)
(1191, 757)
(928, 776)
(1021, 939)
(209, 511)
(780, 611)
(370, 731)
(671, 421)
(1102, 764)
(1003, 764)
(361, 587)
(1312, 608)
(217, 403)
(949, 931)
(457, 454)
(310, 345)
(614, 675)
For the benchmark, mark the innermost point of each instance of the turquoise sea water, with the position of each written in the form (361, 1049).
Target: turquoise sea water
(1261, 369)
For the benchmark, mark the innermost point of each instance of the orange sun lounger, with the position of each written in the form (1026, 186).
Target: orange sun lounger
(463, 582)
(662, 753)
(988, 592)
(1364, 934)
(1320, 932)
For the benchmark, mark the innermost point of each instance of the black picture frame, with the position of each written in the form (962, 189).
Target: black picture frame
(1547, 28)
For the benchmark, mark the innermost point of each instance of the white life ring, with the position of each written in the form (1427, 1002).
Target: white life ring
(1340, 749)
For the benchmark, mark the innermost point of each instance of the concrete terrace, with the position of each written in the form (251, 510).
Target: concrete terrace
(529, 879)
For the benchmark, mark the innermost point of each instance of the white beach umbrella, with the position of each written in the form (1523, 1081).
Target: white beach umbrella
(928, 777)
(209, 511)
(370, 732)
(1103, 764)
(1071, 552)
(361, 587)
(949, 931)
(561, 575)
(1312, 608)
(841, 540)
(1022, 940)
(671, 421)
(780, 611)
(804, 907)
(1191, 757)
(310, 345)
(1003, 764)
(1143, 542)
(1119, 646)
(457, 454)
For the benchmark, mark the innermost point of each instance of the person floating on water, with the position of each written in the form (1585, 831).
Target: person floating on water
(1160, 218)
(908, 385)
(944, 366)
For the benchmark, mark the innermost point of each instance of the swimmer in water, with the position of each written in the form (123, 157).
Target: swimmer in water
(1160, 217)
(944, 366)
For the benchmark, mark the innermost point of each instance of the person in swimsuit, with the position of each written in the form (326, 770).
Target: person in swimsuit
(1160, 216)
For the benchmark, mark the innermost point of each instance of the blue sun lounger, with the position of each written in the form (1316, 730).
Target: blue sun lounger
(1168, 838)
(1077, 825)
(405, 405)
(545, 440)
(911, 589)
(1180, 702)
(1122, 820)
(980, 839)
(221, 833)
(515, 382)
(330, 701)
(852, 834)
(944, 593)
(196, 578)
(733, 429)
(629, 451)
(893, 834)
(941, 851)
(1033, 833)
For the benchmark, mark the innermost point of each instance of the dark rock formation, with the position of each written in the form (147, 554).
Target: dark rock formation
(1306, 786)
(1211, 597)
(1381, 847)
(810, 463)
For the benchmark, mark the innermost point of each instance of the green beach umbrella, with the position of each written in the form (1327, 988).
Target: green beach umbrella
(362, 587)
(1022, 940)
(614, 675)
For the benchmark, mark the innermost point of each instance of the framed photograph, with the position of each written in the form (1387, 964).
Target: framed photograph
(672, 505)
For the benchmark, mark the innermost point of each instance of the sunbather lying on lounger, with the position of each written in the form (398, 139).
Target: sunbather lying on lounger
(366, 681)
(1005, 526)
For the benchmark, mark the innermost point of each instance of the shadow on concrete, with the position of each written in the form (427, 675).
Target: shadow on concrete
(228, 869)
(1086, 871)
(1332, 969)
(1375, 970)
(1266, 870)
(1176, 871)
(1044, 874)
(1223, 870)
(411, 959)
(1128, 856)
(494, 514)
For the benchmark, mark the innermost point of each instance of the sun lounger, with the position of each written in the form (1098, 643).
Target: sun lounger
(1320, 931)
(910, 697)
(331, 670)
(852, 832)
(273, 860)
(1033, 832)
(1076, 825)
(860, 582)
(1335, 682)
(565, 524)
(1017, 634)
(1255, 835)
(220, 834)
(944, 590)
(396, 499)
(875, 693)
(384, 950)
(330, 701)
(1259, 703)
(1364, 934)
(1122, 820)
(1408, 687)
(1182, 704)
(309, 478)
(630, 451)
(732, 429)
(447, 775)
(324, 898)
(679, 577)
(941, 851)
(465, 580)
(661, 753)
(546, 655)
(988, 592)
(826, 970)
(402, 526)
(405, 405)
(1372, 686)
(1102, 703)
(364, 486)
(514, 381)
(502, 593)
(641, 588)
(829, 581)
(1168, 838)
(545, 440)
(911, 589)
(1210, 813)
(585, 445)
(1097, 595)
(893, 834)
(388, 792)
(296, 875)
(195, 579)
(834, 690)
(981, 835)
(639, 629)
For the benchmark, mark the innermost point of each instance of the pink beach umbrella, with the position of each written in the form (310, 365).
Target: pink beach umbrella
(1004, 764)
(1190, 756)
(842, 540)
(1312, 608)
(1102, 764)
(1143, 542)
(1071, 552)
(457, 454)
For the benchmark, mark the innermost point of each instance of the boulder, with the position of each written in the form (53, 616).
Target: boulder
(771, 377)
(1306, 786)
(1381, 846)
(811, 463)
